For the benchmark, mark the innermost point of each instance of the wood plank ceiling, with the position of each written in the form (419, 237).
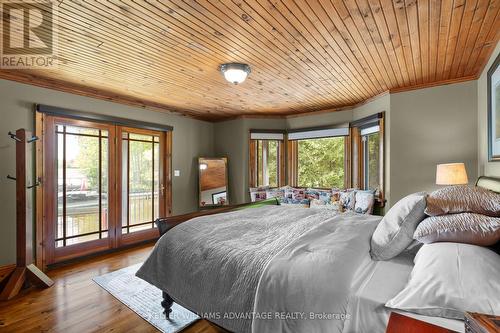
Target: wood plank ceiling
(305, 55)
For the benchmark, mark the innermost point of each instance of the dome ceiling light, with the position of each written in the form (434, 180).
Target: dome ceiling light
(234, 72)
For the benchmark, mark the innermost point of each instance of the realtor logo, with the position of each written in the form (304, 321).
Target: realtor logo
(29, 39)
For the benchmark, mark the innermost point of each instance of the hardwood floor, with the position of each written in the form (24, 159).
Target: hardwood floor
(76, 304)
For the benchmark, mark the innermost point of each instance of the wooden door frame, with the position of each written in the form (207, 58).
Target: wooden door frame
(51, 254)
(45, 157)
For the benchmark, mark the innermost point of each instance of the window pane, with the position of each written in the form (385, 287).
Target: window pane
(140, 182)
(104, 184)
(82, 184)
(321, 162)
(267, 162)
(83, 131)
(60, 188)
(260, 176)
(373, 159)
(141, 137)
(124, 168)
(272, 163)
(82, 239)
(156, 181)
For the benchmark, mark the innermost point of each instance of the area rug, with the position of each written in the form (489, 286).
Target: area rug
(144, 299)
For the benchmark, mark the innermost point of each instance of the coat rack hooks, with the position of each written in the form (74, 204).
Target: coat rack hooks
(34, 185)
(33, 139)
(14, 137)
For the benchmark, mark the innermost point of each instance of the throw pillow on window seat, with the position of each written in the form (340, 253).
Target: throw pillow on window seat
(364, 202)
(258, 193)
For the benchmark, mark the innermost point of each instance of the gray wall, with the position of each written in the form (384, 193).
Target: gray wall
(485, 168)
(319, 119)
(428, 127)
(231, 140)
(191, 138)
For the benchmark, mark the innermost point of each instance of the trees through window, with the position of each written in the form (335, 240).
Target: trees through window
(321, 162)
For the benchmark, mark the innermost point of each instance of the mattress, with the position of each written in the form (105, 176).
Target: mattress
(373, 286)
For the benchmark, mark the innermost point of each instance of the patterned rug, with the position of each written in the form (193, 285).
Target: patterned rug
(144, 299)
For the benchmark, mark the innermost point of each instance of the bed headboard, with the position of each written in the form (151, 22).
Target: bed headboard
(490, 183)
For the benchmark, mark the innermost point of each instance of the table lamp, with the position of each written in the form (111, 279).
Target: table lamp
(451, 174)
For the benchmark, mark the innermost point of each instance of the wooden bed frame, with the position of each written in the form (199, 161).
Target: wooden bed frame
(168, 223)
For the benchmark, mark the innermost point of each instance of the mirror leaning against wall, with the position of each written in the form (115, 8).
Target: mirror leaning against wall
(213, 182)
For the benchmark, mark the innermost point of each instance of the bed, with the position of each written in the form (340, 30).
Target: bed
(281, 269)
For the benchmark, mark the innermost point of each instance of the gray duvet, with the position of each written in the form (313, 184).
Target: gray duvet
(213, 265)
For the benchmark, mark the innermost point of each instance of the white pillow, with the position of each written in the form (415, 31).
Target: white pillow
(451, 278)
(395, 232)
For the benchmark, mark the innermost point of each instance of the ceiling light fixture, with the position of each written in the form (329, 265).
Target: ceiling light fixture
(234, 72)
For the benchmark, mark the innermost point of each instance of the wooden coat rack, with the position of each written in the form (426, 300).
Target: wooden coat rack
(25, 271)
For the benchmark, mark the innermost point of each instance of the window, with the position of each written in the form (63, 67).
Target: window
(321, 162)
(266, 162)
(104, 185)
(368, 154)
(371, 160)
(318, 157)
(82, 184)
(140, 180)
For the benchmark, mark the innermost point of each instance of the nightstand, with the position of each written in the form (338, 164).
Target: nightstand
(403, 322)
(481, 323)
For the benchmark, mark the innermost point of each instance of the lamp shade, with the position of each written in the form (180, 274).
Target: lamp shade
(451, 174)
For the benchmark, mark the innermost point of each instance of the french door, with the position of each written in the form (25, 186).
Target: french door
(141, 190)
(103, 186)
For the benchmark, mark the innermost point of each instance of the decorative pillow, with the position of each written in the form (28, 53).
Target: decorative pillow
(462, 199)
(295, 193)
(320, 194)
(348, 199)
(467, 228)
(451, 278)
(258, 196)
(295, 196)
(320, 204)
(275, 192)
(364, 202)
(395, 232)
(299, 202)
(258, 193)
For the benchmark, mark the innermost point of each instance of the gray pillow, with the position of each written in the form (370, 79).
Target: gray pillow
(449, 279)
(467, 228)
(395, 232)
